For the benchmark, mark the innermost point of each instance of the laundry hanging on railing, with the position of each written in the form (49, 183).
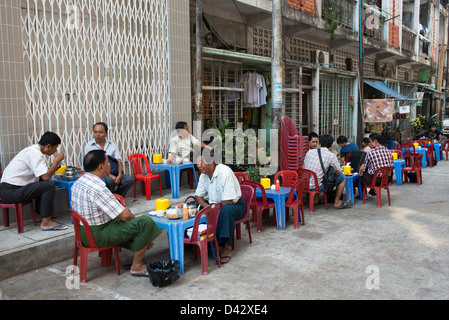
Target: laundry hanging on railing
(255, 90)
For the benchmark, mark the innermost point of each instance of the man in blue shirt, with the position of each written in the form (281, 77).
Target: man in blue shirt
(346, 147)
(117, 182)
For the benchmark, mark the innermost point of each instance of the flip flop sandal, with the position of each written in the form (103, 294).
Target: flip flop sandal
(60, 226)
(227, 259)
(143, 273)
(344, 204)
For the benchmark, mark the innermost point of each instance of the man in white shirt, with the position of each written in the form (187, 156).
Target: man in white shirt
(219, 184)
(117, 181)
(312, 162)
(182, 144)
(27, 177)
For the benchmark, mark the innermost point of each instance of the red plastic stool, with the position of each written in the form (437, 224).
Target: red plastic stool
(18, 207)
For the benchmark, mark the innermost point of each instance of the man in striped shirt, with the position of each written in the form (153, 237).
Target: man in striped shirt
(109, 221)
(378, 157)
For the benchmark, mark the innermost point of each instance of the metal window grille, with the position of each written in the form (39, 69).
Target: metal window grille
(222, 93)
(335, 113)
(98, 60)
(292, 96)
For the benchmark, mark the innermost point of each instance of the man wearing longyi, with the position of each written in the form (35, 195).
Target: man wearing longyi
(218, 182)
(109, 221)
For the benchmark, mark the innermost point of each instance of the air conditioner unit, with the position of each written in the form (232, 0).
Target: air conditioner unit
(321, 57)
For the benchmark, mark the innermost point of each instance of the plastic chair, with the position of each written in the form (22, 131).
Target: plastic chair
(408, 155)
(296, 204)
(241, 176)
(120, 199)
(288, 177)
(304, 173)
(105, 252)
(429, 154)
(445, 148)
(136, 159)
(385, 183)
(417, 168)
(399, 152)
(209, 235)
(259, 204)
(18, 207)
(426, 140)
(247, 195)
(422, 143)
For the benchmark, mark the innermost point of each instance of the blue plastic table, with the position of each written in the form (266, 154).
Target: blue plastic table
(65, 184)
(349, 186)
(438, 151)
(398, 165)
(175, 231)
(175, 174)
(279, 198)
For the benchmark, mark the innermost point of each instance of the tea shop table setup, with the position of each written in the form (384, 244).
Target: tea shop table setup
(66, 177)
(279, 197)
(421, 150)
(351, 178)
(398, 165)
(173, 170)
(171, 220)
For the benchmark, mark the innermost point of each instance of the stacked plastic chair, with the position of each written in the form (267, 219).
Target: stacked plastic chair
(293, 147)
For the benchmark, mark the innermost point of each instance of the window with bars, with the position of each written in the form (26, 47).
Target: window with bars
(292, 96)
(222, 93)
(335, 112)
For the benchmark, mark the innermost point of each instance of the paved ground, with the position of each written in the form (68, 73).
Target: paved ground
(362, 253)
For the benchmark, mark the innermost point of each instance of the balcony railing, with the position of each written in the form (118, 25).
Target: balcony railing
(346, 7)
(408, 40)
(424, 47)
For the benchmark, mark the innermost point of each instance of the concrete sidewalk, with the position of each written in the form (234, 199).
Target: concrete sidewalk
(365, 252)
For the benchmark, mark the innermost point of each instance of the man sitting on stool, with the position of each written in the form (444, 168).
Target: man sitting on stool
(27, 177)
(218, 182)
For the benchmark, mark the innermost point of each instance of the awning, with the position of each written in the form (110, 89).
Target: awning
(435, 93)
(381, 86)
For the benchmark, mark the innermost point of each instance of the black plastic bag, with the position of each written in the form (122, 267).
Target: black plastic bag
(163, 272)
(412, 177)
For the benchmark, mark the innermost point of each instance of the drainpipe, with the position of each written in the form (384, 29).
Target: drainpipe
(276, 69)
(361, 59)
(198, 103)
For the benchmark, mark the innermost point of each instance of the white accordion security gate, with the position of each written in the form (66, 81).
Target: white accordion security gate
(98, 60)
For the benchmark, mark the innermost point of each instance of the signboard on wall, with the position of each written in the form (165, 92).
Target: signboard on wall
(378, 110)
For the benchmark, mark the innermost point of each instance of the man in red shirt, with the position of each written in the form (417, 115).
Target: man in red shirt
(378, 157)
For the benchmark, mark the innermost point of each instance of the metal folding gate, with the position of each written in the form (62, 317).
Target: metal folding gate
(98, 60)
